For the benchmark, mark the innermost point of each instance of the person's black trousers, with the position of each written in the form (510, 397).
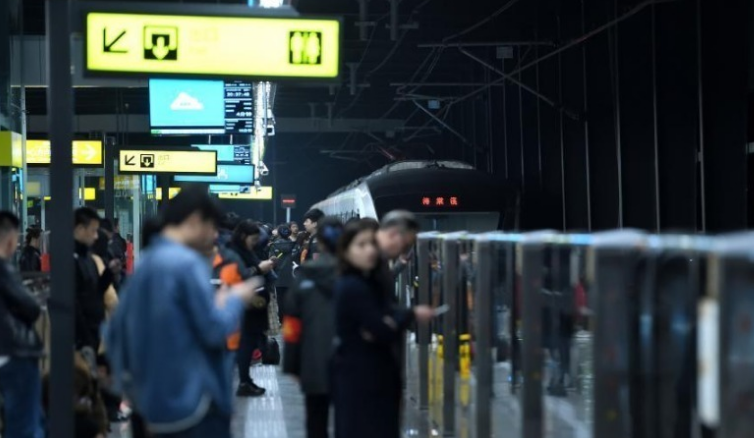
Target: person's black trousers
(317, 415)
(249, 342)
(281, 292)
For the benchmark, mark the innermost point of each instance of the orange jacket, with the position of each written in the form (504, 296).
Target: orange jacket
(227, 271)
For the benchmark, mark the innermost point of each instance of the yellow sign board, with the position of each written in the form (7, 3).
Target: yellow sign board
(263, 193)
(172, 191)
(85, 152)
(260, 47)
(10, 149)
(167, 161)
(122, 182)
(89, 194)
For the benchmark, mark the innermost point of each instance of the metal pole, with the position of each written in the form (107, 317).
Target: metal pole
(658, 224)
(423, 335)
(110, 157)
(393, 20)
(700, 71)
(60, 111)
(484, 335)
(450, 332)
(586, 127)
(287, 215)
(562, 139)
(613, 49)
(521, 128)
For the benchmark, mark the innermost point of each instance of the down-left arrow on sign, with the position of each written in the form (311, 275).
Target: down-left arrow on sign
(110, 47)
(130, 160)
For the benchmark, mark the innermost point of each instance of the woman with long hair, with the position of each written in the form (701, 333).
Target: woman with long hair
(367, 375)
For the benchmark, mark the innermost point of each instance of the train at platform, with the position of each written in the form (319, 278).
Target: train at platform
(444, 195)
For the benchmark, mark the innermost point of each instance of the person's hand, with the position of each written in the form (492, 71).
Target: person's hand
(266, 266)
(221, 296)
(115, 266)
(424, 313)
(248, 289)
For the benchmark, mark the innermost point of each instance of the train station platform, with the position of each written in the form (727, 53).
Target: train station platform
(280, 413)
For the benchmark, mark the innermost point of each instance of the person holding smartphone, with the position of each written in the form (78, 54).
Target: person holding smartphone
(166, 339)
(244, 242)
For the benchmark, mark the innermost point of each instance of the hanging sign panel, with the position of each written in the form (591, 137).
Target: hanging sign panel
(263, 193)
(267, 47)
(167, 161)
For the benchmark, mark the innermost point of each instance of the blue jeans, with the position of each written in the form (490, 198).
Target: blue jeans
(21, 388)
(214, 425)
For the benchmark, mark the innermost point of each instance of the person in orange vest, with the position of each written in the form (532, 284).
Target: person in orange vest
(227, 270)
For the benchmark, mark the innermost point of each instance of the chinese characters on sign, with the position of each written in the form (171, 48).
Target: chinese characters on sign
(440, 201)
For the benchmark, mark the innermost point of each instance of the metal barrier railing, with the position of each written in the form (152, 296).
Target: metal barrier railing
(586, 335)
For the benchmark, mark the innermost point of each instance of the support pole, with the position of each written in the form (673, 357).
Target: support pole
(287, 215)
(60, 111)
(109, 177)
(393, 20)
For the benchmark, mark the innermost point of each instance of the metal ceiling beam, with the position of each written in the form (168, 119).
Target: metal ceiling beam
(139, 124)
(487, 44)
(573, 43)
(557, 105)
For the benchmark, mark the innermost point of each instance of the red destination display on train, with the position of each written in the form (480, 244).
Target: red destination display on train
(440, 201)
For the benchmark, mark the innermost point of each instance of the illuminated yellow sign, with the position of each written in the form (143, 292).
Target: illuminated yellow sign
(166, 161)
(10, 149)
(172, 191)
(263, 193)
(89, 194)
(262, 47)
(85, 152)
(122, 182)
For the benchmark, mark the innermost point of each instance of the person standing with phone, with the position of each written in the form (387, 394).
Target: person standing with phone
(367, 387)
(244, 241)
(166, 341)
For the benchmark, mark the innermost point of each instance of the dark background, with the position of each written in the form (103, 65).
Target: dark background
(642, 119)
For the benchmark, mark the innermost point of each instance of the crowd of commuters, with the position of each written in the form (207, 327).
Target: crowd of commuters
(200, 301)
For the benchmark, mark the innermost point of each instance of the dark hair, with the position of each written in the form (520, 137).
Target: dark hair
(314, 215)
(31, 234)
(243, 230)
(350, 232)
(106, 225)
(230, 221)
(101, 247)
(8, 223)
(302, 237)
(190, 200)
(149, 229)
(84, 216)
(402, 219)
(329, 230)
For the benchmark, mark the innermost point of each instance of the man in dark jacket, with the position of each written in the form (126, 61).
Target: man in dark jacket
(90, 285)
(31, 256)
(311, 218)
(20, 346)
(309, 328)
(283, 249)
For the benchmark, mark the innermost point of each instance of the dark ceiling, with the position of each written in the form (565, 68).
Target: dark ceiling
(380, 61)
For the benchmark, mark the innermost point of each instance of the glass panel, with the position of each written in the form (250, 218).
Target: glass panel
(506, 407)
(566, 344)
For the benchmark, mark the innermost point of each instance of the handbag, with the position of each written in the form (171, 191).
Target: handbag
(272, 354)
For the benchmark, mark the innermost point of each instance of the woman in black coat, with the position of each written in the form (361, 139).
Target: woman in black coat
(366, 372)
